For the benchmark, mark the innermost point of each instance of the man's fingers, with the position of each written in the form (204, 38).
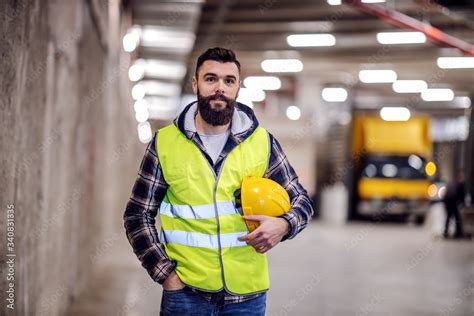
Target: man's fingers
(256, 241)
(250, 236)
(256, 232)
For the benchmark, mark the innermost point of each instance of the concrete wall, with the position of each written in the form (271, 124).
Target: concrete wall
(69, 145)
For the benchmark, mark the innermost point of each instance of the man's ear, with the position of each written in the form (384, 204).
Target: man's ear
(194, 85)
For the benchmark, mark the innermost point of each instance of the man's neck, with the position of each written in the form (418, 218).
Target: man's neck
(205, 128)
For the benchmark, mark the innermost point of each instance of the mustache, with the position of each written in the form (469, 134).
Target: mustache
(218, 97)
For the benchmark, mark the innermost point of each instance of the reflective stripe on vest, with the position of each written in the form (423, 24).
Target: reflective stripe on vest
(202, 240)
(199, 220)
(198, 211)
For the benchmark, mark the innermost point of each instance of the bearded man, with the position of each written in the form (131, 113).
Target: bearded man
(204, 257)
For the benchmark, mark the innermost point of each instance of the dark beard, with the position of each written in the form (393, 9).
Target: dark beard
(212, 116)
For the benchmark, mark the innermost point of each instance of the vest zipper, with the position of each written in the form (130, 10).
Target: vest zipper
(216, 212)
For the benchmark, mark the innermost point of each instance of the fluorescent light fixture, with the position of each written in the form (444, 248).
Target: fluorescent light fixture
(409, 86)
(130, 41)
(311, 40)
(334, 94)
(163, 108)
(377, 76)
(254, 95)
(144, 132)
(293, 112)
(282, 65)
(455, 62)
(373, 1)
(334, 2)
(136, 72)
(395, 113)
(164, 69)
(263, 82)
(138, 92)
(154, 87)
(141, 116)
(437, 95)
(401, 37)
(166, 38)
(140, 105)
(463, 102)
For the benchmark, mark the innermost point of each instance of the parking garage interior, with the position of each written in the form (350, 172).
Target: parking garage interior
(370, 100)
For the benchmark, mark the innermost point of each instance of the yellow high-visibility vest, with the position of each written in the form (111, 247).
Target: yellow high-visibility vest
(200, 222)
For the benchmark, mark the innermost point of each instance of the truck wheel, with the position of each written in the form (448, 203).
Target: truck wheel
(420, 220)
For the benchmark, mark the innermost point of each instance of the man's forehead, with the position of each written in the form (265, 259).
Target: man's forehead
(219, 68)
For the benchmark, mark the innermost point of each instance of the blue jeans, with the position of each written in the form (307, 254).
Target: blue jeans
(186, 302)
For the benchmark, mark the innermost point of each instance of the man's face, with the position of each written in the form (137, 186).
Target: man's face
(217, 87)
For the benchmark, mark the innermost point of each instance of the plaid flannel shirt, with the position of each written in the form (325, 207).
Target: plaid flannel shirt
(150, 188)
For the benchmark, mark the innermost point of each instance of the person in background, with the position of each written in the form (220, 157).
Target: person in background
(453, 200)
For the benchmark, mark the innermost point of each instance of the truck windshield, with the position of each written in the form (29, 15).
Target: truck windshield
(398, 167)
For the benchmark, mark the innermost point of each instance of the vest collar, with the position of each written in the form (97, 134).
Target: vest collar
(242, 126)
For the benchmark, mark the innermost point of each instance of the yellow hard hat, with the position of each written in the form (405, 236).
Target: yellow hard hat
(261, 196)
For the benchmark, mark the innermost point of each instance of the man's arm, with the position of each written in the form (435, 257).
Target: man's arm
(273, 230)
(139, 217)
(280, 170)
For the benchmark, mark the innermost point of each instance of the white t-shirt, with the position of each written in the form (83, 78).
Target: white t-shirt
(214, 143)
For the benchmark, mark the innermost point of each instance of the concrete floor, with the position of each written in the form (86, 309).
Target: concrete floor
(357, 269)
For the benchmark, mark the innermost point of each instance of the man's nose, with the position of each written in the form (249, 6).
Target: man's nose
(220, 87)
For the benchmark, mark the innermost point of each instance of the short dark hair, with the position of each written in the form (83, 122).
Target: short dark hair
(219, 54)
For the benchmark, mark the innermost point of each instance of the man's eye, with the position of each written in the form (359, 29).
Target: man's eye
(230, 81)
(210, 79)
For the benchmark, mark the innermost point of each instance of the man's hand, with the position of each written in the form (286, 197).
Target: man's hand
(173, 282)
(268, 234)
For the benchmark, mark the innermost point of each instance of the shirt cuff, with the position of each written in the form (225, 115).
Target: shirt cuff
(163, 270)
(289, 217)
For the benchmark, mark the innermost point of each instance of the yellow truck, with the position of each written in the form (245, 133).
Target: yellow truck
(392, 167)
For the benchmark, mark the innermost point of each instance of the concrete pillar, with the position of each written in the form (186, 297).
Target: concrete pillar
(69, 145)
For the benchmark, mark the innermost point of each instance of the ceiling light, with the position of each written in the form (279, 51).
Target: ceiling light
(377, 76)
(455, 62)
(141, 116)
(130, 41)
(163, 108)
(164, 69)
(263, 82)
(161, 37)
(136, 72)
(293, 112)
(437, 95)
(144, 132)
(253, 95)
(401, 37)
(138, 92)
(311, 40)
(140, 105)
(463, 102)
(334, 2)
(334, 94)
(409, 86)
(395, 113)
(282, 65)
(154, 87)
(373, 1)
